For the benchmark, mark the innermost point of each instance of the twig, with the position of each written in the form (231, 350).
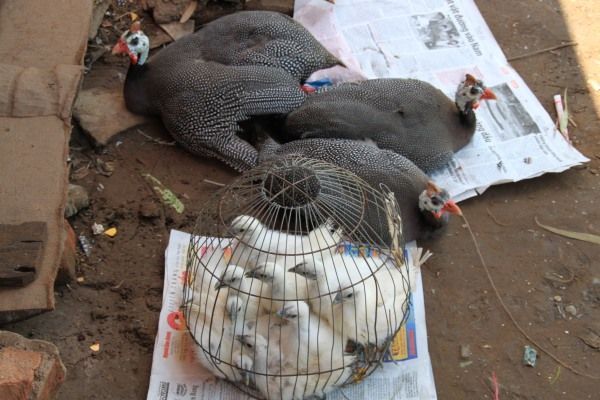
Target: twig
(213, 183)
(572, 122)
(512, 318)
(494, 218)
(155, 140)
(189, 11)
(556, 375)
(559, 279)
(118, 286)
(534, 53)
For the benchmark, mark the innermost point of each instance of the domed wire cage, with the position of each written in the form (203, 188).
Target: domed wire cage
(296, 279)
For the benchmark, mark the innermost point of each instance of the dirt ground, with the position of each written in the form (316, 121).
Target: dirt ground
(538, 274)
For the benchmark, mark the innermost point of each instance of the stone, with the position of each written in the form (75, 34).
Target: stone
(29, 369)
(282, 6)
(101, 112)
(177, 30)
(77, 199)
(165, 11)
(100, 7)
(465, 351)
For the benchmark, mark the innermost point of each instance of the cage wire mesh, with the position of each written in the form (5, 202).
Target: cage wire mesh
(296, 281)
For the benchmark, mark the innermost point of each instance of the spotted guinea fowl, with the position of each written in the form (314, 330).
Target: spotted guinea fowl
(202, 103)
(407, 116)
(424, 206)
(260, 38)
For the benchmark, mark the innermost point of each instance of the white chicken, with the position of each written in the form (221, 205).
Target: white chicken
(364, 299)
(312, 350)
(283, 285)
(255, 238)
(255, 292)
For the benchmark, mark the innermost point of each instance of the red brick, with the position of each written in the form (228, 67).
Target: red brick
(68, 259)
(17, 372)
(29, 369)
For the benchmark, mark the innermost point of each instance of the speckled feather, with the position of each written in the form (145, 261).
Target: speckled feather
(201, 104)
(258, 38)
(407, 116)
(375, 166)
(239, 66)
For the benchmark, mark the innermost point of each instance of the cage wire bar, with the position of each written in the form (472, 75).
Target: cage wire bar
(296, 281)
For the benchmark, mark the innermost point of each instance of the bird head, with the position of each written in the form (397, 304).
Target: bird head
(328, 233)
(470, 92)
(252, 342)
(235, 305)
(308, 269)
(232, 277)
(264, 272)
(436, 202)
(345, 295)
(292, 311)
(134, 43)
(243, 225)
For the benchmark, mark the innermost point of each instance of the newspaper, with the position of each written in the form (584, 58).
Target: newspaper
(177, 375)
(438, 41)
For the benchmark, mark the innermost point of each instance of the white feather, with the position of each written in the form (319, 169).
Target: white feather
(255, 239)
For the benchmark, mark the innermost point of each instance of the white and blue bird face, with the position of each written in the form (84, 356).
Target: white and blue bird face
(134, 43)
(470, 92)
(437, 202)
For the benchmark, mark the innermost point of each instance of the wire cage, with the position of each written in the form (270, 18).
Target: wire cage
(296, 282)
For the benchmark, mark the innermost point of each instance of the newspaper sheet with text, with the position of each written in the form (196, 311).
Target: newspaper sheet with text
(177, 375)
(439, 41)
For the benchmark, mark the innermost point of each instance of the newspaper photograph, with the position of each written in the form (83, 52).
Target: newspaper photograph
(177, 375)
(439, 41)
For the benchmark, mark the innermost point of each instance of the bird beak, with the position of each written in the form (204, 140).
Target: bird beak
(242, 338)
(245, 376)
(452, 208)
(281, 313)
(255, 274)
(488, 95)
(337, 299)
(121, 48)
(302, 272)
(220, 285)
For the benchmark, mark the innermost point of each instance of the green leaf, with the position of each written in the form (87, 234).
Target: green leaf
(167, 196)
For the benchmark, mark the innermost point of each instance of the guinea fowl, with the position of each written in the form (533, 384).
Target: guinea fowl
(260, 38)
(202, 103)
(407, 116)
(424, 207)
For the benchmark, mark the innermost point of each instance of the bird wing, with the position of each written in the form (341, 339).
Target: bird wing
(207, 126)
